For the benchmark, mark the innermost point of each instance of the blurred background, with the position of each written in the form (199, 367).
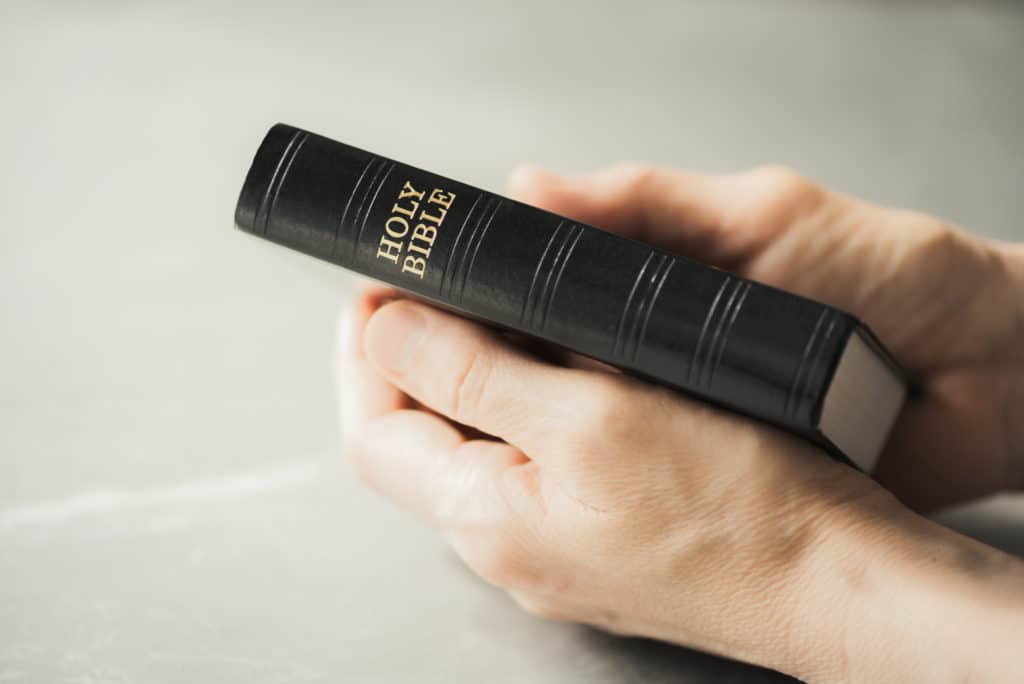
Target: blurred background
(173, 504)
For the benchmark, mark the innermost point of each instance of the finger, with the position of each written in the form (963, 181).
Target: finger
(362, 392)
(555, 354)
(923, 462)
(476, 378)
(586, 363)
(483, 495)
(427, 466)
(695, 214)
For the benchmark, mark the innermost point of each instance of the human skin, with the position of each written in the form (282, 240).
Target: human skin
(594, 497)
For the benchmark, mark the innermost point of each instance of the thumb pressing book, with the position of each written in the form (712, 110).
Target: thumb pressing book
(798, 364)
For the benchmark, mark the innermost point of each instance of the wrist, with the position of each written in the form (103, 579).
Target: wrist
(892, 596)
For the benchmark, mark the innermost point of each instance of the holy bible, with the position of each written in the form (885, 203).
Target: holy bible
(801, 365)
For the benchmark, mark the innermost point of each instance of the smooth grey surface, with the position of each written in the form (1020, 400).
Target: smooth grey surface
(172, 504)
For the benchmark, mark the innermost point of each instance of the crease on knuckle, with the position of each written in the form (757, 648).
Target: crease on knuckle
(632, 174)
(634, 182)
(469, 386)
(638, 175)
(606, 414)
(642, 183)
(781, 197)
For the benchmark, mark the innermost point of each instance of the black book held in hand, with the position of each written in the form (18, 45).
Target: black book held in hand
(798, 364)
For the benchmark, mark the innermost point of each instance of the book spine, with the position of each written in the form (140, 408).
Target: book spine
(743, 345)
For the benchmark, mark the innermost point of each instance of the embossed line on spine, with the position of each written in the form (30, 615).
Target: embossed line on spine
(693, 376)
(532, 294)
(448, 275)
(795, 387)
(741, 295)
(472, 247)
(548, 272)
(358, 190)
(269, 198)
(367, 200)
(572, 237)
(627, 309)
(636, 313)
(815, 360)
(721, 331)
(670, 262)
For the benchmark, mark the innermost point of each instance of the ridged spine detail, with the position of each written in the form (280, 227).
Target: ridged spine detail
(284, 164)
(367, 197)
(548, 274)
(637, 311)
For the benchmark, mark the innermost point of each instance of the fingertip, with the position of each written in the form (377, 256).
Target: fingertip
(354, 314)
(362, 392)
(526, 181)
(392, 333)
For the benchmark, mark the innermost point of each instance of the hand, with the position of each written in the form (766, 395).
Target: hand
(949, 305)
(597, 498)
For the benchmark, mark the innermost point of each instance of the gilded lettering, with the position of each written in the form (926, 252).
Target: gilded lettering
(409, 191)
(406, 211)
(425, 233)
(424, 216)
(415, 265)
(441, 198)
(419, 249)
(410, 246)
(397, 232)
(389, 249)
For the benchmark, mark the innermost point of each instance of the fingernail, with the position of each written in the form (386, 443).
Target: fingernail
(393, 335)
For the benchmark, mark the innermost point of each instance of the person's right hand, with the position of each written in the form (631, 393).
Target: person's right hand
(597, 498)
(949, 305)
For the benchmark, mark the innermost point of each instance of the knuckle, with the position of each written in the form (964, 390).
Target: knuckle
(781, 179)
(602, 405)
(605, 409)
(540, 607)
(605, 414)
(469, 387)
(499, 564)
(636, 174)
(639, 180)
(780, 195)
(936, 241)
(629, 179)
(934, 249)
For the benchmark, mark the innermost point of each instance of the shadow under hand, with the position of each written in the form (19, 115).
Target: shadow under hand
(645, 660)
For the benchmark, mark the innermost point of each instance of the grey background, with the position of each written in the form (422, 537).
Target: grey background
(173, 507)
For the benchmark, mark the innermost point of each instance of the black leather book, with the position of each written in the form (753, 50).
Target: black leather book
(798, 364)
